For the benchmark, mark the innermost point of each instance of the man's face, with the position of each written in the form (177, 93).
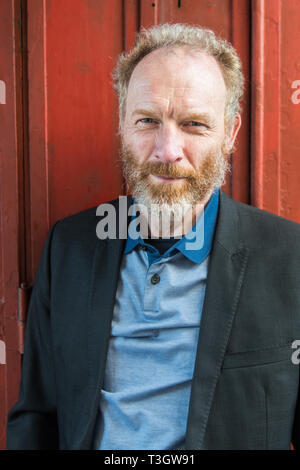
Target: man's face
(173, 137)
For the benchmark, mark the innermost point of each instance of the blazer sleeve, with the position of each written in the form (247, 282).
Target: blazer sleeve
(32, 422)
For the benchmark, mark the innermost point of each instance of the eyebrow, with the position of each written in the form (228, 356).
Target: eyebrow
(191, 116)
(143, 112)
(194, 116)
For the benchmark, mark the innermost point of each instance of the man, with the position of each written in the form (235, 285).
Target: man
(158, 340)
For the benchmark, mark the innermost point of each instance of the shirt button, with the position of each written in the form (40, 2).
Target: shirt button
(144, 248)
(155, 279)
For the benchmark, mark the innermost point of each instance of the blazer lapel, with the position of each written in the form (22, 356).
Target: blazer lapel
(106, 267)
(225, 279)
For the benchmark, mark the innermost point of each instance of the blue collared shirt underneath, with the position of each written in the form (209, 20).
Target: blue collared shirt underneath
(150, 362)
(201, 235)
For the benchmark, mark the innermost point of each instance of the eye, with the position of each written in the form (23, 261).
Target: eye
(194, 124)
(146, 121)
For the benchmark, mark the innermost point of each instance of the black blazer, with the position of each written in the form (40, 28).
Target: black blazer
(245, 385)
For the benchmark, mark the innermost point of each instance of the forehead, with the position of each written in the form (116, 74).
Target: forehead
(177, 77)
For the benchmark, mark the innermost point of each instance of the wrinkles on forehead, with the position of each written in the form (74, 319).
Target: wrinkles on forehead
(170, 83)
(173, 103)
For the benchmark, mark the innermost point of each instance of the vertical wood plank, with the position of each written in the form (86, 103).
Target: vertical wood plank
(266, 155)
(12, 192)
(131, 12)
(241, 34)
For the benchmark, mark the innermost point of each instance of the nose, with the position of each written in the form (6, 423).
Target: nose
(168, 145)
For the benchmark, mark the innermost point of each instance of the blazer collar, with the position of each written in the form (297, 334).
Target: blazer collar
(224, 283)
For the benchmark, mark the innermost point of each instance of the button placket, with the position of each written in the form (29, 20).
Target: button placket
(152, 289)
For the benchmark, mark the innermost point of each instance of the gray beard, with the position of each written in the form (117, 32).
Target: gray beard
(142, 193)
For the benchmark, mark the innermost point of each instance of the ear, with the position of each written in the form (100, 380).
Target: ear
(231, 134)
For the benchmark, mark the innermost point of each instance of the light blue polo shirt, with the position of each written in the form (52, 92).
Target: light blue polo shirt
(145, 397)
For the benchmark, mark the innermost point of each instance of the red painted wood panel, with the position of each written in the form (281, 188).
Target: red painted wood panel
(275, 117)
(12, 141)
(290, 111)
(74, 160)
(131, 12)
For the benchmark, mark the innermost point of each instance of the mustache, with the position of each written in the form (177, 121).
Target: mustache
(167, 170)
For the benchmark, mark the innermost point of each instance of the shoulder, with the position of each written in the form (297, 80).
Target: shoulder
(267, 229)
(81, 226)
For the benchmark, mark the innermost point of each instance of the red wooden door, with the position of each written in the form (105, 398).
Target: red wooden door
(58, 122)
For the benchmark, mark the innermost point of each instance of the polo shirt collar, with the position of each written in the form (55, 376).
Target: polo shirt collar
(197, 243)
